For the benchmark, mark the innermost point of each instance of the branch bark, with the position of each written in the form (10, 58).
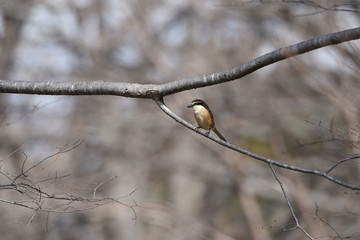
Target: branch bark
(136, 90)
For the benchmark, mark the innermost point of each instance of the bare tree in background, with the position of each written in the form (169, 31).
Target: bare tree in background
(299, 117)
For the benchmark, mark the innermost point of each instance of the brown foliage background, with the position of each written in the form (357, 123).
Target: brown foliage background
(303, 111)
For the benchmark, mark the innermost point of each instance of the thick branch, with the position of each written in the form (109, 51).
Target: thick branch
(148, 90)
(78, 88)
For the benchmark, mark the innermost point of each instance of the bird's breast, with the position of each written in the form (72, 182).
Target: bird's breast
(203, 118)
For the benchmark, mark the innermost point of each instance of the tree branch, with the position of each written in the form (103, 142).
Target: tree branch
(40, 197)
(159, 101)
(289, 205)
(136, 90)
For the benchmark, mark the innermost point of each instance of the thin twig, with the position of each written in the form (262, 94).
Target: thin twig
(336, 132)
(289, 204)
(341, 161)
(16, 150)
(62, 150)
(100, 184)
(39, 199)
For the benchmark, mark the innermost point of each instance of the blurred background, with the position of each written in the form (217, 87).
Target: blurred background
(173, 183)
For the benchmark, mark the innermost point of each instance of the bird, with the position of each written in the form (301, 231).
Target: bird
(204, 117)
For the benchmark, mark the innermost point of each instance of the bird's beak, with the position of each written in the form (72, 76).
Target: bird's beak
(190, 106)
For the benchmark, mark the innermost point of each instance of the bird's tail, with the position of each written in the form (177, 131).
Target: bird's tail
(219, 134)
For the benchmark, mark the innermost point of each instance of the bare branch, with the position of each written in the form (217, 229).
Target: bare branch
(62, 150)
(159, 101)
(136, 90)
(342, 161)
(100, 184)
(289, 204)
(1, 160)
(40, 199)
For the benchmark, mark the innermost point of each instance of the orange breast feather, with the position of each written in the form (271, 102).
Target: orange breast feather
(204, 118)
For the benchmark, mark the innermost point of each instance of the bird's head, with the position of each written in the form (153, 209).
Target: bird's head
(197, 102)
